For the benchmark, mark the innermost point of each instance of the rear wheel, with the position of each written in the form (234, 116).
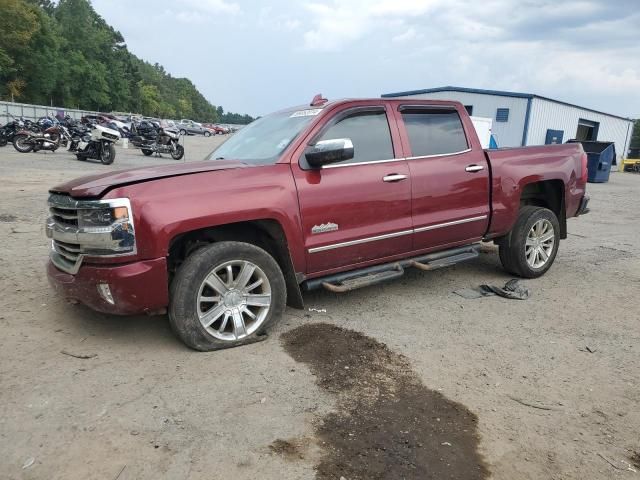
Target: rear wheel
(20, 143)
(178, 153)
(226, 294)
(183, 132)
(146, 152)
(533, 243)
(108, 154)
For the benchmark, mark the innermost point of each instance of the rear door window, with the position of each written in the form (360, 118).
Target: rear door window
(434, 131)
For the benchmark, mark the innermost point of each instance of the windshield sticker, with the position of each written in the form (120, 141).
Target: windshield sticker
(306, 113)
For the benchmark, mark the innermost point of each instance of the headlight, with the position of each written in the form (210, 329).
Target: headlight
(99, 219)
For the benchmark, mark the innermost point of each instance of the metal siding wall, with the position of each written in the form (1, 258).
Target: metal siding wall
(508, 134)
(550, 115)
(34, 112)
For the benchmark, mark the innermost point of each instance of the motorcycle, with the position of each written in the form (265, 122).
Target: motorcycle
(9, 130)
(49, 139)
(97, 144)
(159, 141)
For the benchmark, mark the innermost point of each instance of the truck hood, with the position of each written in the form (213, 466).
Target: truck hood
(97, 185)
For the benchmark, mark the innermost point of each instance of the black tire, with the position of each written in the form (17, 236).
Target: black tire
(108, 154)
(183, 132)
(207, 133)
(178, 153)
(147, 153)
(185, 287)
(19, 145)
(3, 142)
(82, 158)
(513, 249)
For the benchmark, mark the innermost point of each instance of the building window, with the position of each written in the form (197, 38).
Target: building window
(469, 109)
(502, 115)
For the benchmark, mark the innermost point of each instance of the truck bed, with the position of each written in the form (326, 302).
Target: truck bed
(513, 168)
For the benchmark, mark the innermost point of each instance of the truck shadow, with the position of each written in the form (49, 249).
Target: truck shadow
(387, 424)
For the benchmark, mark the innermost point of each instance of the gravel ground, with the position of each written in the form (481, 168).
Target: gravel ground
(553, 380)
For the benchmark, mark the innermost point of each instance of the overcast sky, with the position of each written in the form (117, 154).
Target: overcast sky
(255, 57)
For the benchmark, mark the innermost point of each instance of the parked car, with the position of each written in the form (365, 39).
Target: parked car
(189, 127)
(217, 129)
(335, 195)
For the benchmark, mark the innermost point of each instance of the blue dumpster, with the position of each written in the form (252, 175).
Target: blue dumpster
(600, 157)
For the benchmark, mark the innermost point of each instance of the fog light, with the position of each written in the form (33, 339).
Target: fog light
(105, 293)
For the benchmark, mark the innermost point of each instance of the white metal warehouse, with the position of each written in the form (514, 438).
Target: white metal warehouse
(526, 119)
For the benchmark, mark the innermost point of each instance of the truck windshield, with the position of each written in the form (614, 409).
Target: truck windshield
(262, 141)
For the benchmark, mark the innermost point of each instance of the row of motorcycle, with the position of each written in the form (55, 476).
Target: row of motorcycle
(51, 133)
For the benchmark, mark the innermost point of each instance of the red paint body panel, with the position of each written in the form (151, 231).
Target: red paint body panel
(171, 200)
(136, 287)
(513, 168)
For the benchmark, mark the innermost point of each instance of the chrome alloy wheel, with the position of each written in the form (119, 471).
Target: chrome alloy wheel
(234, 300)
(540, 242)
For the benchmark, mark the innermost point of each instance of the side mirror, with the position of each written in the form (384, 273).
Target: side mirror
(329, 151)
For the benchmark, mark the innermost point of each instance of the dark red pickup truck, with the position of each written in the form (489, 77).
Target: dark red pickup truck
(336, 195)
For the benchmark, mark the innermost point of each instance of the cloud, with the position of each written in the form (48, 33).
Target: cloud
(407, 36)
(211, 6)
(338, 23)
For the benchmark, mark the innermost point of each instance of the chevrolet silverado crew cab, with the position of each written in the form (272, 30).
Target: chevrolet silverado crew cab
(334, 195)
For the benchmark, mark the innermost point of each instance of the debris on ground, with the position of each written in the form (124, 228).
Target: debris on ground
(28, 462)
(77, 355)
(588, 349)
(511, 290)
(318, 310)
(531, 404)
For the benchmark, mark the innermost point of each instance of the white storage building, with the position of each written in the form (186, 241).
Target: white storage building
(521, 119)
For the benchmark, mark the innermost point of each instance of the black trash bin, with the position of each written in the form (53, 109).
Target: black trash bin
(600, 157)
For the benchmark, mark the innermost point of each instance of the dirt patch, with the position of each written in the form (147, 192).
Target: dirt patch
(7, 218)
(290, 449)
(387, 423)
(635, 459)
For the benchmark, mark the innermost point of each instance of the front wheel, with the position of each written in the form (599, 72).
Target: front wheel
(226, 294)
(183, 132)
(207, 133)
(178, 153)
(20, 143)
(108, 154)
(532, 244)
(146, 152)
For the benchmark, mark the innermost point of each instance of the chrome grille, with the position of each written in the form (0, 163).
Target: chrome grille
(70, 251)
(71, 242)
(65, 216)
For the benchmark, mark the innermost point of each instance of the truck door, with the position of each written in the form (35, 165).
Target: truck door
(358, 210)
(449, 177)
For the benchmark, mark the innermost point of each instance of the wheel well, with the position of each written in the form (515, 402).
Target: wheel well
(266, 234)
(548, 194)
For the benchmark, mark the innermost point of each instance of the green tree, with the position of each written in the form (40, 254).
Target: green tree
(64, 52)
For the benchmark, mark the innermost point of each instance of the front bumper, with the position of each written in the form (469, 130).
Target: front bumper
(139, 287)
(584, 206)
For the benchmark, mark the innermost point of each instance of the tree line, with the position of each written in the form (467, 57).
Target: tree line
(66, 54)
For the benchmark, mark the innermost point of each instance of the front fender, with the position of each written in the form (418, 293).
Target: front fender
(168, 207)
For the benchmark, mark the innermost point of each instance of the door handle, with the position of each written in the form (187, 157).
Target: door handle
(474, 168)
(394, 177)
